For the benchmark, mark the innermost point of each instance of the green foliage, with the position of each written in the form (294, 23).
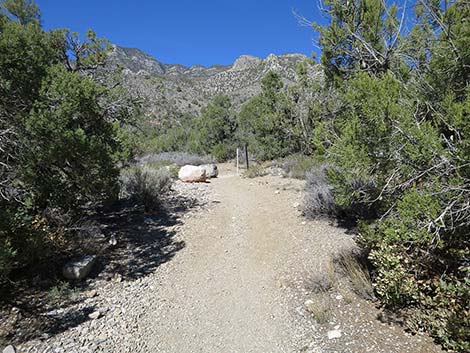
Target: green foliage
(25, 11)
(73, 123)
(265, 122)
(214, 129)
(210, 133)
(7, 254)
(60, 133)
(398, 149)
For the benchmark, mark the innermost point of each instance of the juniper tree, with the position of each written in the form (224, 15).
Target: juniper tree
(59, 126)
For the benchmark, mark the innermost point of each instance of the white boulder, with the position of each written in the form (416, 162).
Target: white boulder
(211, 170)
(192, 174)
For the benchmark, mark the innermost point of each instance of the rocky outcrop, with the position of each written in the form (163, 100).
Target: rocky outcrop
(245, 62)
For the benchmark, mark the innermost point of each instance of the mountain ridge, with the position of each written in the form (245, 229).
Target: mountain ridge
(176, 89)
(165, 68)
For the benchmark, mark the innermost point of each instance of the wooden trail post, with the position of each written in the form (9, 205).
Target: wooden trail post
(238, 157)
(246, 157)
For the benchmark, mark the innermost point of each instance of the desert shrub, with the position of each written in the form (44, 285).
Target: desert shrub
(256, 170)
(296, 166)
(61, 292)
(419, 270)
(178, 158)
(145, 185)
(318, 196)
(321, 283)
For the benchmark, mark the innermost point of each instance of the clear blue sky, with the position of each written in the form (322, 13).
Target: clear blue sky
(190, 31)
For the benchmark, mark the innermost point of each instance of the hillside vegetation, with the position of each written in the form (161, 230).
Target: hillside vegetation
(382, 126)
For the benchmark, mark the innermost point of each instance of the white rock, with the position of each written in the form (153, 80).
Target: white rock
(211, 170)
(91, 294)
(334, 334)
(277, 192)
(79, 269)
(112, 240)
(9, 349)
(94, 315)
(192, 174)
(310, 306)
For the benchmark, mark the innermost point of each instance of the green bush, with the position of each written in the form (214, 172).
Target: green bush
(145, 185)
(212, 132)
(398, 147)
(296, 166)
(261, 121)
(395, 173)
(59, 133)
(7, 255)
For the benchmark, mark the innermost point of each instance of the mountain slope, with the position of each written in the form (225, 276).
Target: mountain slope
(172, 89)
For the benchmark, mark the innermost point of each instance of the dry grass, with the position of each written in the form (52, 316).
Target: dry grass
(321, 307)
(320, 303)
(353, 267)
(255, 171)
(178, 158)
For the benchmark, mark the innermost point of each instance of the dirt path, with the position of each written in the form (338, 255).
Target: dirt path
(235, 278)
(224, 295)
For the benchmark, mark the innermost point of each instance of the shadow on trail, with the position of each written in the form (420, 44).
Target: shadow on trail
(144, 241)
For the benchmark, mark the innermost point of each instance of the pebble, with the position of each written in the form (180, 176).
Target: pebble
(91, 294)
(334, 334)
(94, 315)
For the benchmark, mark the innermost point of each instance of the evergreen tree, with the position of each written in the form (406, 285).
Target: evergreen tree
(58, 130)
(398, 148)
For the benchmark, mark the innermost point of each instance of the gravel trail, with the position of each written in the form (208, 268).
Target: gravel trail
(235, 278)
(224, 294)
